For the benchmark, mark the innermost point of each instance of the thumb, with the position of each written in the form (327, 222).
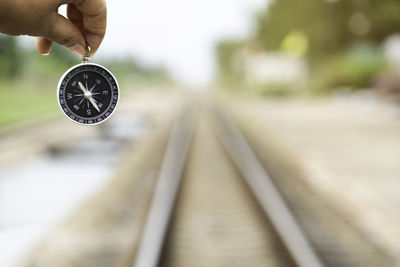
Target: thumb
(63, 31)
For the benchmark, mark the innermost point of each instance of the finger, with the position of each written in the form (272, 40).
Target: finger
(43, 45)
(94, 21)
(75, 16)
(64, 32)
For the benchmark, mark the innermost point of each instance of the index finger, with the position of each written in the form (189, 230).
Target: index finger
(94, 21)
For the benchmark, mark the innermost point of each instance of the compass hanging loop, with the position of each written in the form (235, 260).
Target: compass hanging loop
(86, 57)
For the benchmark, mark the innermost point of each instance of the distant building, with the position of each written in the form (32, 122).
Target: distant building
(270, 68)
(391, 49)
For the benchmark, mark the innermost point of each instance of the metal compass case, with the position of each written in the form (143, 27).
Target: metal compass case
(88, 93)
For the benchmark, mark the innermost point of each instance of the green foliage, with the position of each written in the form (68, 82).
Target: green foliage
(326, 23)
(326, 34)
(21, 101)
(383, 15)
(10, 57)
(47, 68)
(225, 52)
(354, 68)
(28, 80)
(323, 23)
(131, 71)
(274, 90)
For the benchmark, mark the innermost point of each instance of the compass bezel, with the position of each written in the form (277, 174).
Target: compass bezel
(79, 66)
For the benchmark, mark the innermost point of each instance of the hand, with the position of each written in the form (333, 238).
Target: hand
(86, 22)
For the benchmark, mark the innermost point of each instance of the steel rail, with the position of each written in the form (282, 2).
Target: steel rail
(161, 209)
(265, 192)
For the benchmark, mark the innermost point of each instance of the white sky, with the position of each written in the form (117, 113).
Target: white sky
(180, 34)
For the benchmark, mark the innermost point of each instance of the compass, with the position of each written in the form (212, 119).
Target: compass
(88, 93)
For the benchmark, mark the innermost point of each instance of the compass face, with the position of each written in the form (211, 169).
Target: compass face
(88, 94)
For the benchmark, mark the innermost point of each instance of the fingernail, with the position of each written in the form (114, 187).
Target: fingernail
(78, 50)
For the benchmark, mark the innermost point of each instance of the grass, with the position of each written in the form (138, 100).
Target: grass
(22, 101)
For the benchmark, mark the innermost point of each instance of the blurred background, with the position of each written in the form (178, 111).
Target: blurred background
(315, 83)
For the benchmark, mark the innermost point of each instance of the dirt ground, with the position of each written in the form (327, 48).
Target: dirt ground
(349, 149)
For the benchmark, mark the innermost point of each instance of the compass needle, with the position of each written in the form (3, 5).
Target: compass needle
(94, 104)
(82, 87)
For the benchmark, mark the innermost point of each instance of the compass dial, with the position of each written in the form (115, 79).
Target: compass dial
(88, 93)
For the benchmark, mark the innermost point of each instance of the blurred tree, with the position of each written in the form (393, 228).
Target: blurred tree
(131, 71)
(383, 16)
(329, 25)
(63, 55)
(355, 68)
(225, 51)
(10, 63)
(323, 23)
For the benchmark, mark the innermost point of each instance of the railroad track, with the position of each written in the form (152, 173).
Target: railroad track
(221, 198)
(216, 205)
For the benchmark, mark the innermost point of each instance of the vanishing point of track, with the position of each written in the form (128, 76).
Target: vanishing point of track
(152, 247)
